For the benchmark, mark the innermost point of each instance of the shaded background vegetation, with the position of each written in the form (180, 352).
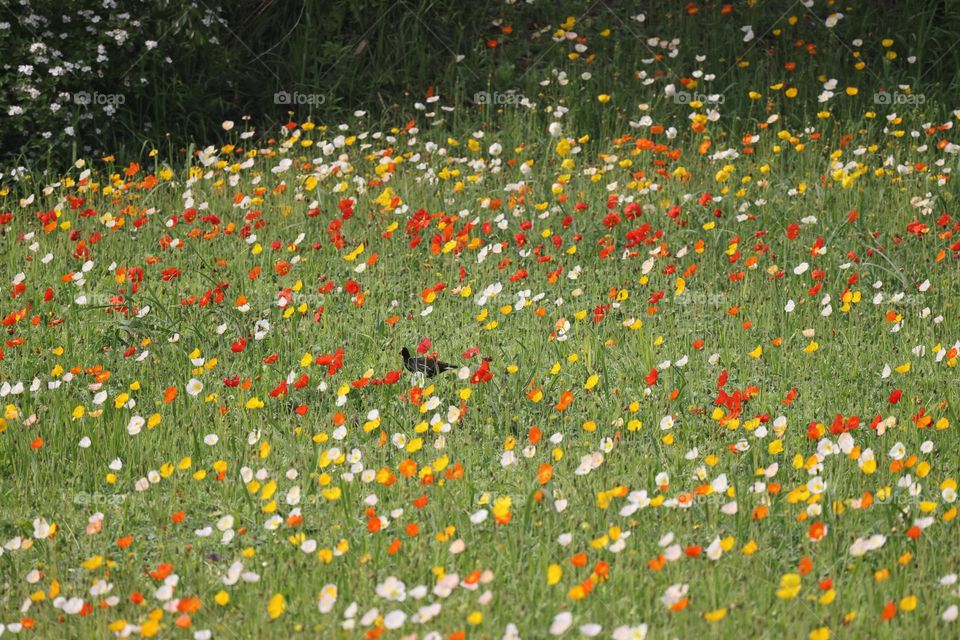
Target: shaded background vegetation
(217, 59)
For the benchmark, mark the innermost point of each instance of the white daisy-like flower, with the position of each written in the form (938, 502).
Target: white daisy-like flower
(135, 425)
(194, 387)
(392, 589)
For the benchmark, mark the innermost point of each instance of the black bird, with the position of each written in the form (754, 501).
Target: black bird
(427, 366)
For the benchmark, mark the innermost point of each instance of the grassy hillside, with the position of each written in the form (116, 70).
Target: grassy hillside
(699, 293)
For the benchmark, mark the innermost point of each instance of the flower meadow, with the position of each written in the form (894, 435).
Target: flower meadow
(705, 382)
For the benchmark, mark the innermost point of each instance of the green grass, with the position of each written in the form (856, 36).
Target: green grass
(775, 202)
(842, 376)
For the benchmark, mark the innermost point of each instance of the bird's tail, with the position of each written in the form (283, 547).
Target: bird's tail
(445, 366)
